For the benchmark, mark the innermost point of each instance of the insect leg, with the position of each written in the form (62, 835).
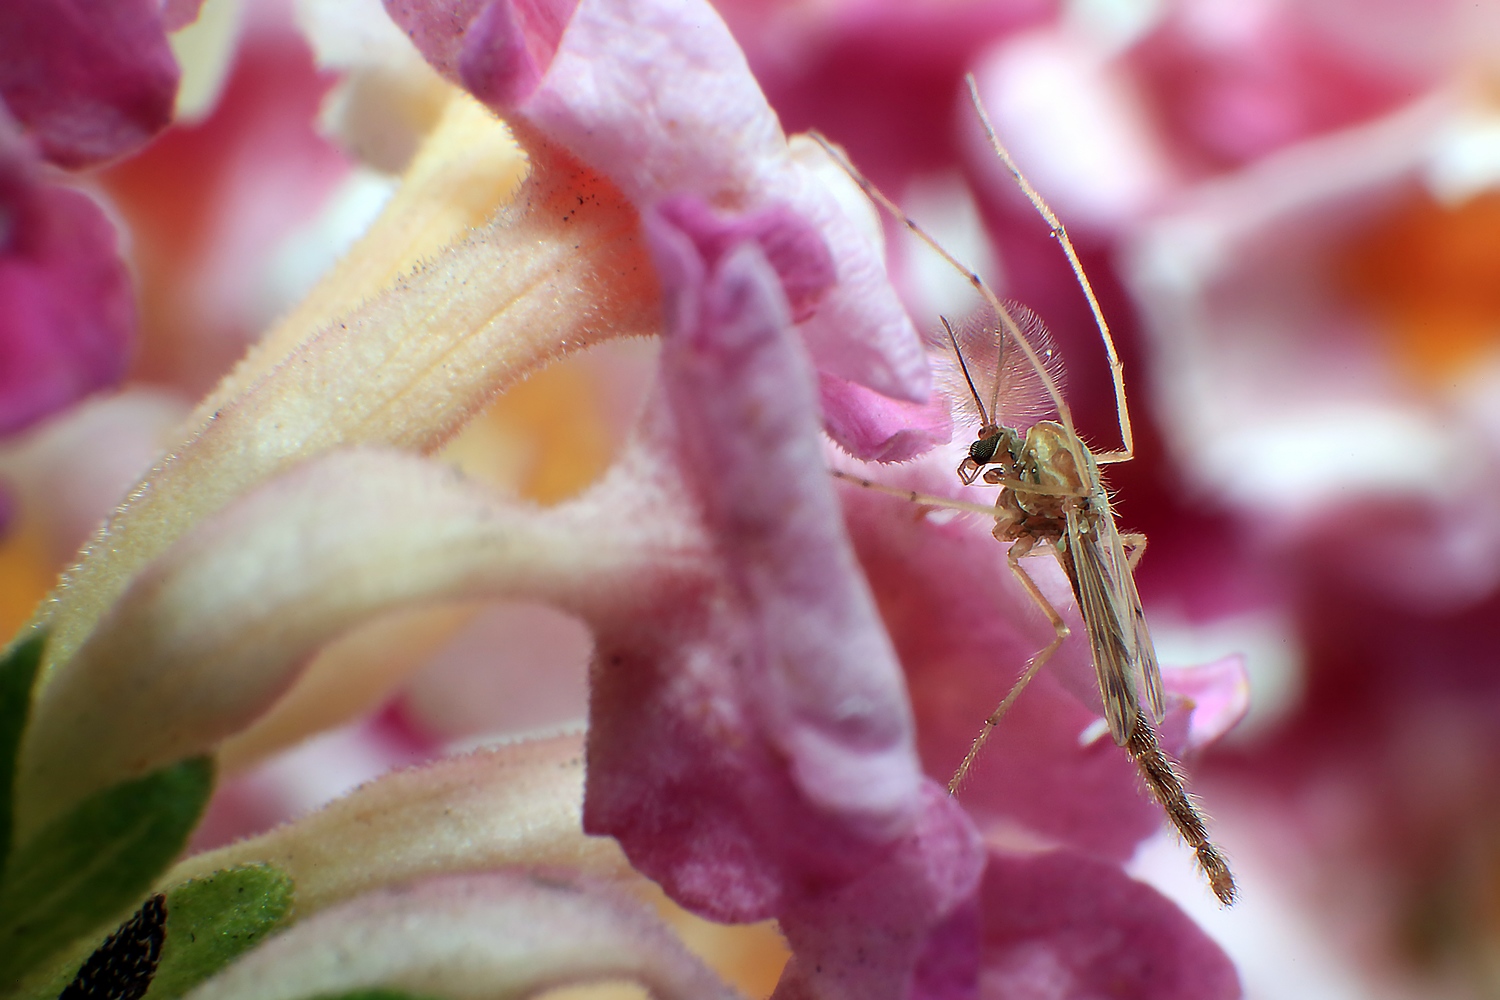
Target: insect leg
(1060, 234)
(1021, 547)
(1135, 547)
(911, 496)
(1001, 313)
(1166, 787)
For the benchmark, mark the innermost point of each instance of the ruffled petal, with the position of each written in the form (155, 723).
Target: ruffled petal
(877, 428)
(766, 739)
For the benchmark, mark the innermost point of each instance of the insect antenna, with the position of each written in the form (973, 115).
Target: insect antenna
(986, 418)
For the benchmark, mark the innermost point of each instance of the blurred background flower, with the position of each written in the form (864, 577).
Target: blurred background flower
(1291, 212)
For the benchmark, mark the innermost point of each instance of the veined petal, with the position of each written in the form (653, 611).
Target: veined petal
(471, 937)
(519, 804)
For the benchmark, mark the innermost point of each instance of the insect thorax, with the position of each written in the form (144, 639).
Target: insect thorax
(1048, 458)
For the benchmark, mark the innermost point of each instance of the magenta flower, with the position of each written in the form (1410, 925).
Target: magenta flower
(68, 314)
(773, 706)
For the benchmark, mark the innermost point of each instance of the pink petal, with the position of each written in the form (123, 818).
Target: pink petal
(801, 260)
(658, 97)
(91, 81)
(906, 928)
(876, 428)
(763, 738)
(67, 314)
(1065, 925)
(508, 47)
(1218, 694)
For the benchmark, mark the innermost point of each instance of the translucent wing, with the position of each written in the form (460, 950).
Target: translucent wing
(1010, 388)
(1124, 656)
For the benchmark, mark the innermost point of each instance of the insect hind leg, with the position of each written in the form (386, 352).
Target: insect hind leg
(1020, 548)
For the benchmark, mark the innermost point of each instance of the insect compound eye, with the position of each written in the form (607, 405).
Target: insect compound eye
(983, 450)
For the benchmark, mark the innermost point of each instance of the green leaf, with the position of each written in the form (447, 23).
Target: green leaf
(17, 677)
(211, 921)
(87, 867)
(372, 993)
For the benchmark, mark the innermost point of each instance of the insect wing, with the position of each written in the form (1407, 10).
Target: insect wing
(1124, 658)
(1003, 376)
(1147, 673)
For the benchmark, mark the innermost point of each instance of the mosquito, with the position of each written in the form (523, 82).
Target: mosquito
(1052, 495)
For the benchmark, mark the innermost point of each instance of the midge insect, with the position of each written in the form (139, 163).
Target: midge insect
(1051, 493)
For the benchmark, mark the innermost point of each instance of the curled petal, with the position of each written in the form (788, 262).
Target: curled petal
(509, 46)
(471, 937)
(1065, 925)
(496, 49)
(880, 429)
(801, 260)
(1219, 693)
(90, 81)
(513, 805)
(659, 97)
(762, 738)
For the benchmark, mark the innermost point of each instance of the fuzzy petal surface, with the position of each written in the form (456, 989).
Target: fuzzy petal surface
(518, 804)
(905, 929)
(765, 739)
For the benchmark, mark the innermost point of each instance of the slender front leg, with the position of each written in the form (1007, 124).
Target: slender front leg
(1135, 547)
(1015, 554)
